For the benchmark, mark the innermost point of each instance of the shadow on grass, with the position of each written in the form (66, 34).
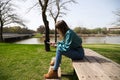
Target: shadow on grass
(71, 76)
(53, 51)
(4, 76)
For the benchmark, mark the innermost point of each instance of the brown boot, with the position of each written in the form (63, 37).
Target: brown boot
(51, 75)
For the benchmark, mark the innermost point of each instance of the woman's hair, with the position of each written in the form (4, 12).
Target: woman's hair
(62, 27)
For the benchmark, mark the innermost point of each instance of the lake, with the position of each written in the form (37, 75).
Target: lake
(86, 40)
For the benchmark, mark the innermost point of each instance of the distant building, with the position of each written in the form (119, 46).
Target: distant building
(116, 28)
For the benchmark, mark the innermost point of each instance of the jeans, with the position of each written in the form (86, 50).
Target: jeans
(74, 54)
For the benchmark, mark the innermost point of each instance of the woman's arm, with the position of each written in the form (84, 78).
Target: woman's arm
(66, 43)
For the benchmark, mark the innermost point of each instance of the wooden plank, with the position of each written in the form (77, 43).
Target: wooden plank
(83, 71)
(53, 59)
(93, 53)
(109, 67)
(89, 71)
(96, 64)
(96, 67)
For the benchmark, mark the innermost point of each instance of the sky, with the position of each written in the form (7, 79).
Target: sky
(86, 13)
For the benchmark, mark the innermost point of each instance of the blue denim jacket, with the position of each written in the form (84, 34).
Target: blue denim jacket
(70, 41)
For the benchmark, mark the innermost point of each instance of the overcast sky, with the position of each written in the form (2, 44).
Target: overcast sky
(87, 13)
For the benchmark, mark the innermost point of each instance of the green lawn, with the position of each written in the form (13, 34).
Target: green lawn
(27, 62)
(37, 35)
(30, 62)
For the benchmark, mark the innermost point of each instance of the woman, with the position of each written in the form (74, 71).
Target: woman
(70, 46)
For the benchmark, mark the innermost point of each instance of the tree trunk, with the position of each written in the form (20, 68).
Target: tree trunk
(55, 31)
(46, 23)
(55, 35)
(47, 39)
(1, 31)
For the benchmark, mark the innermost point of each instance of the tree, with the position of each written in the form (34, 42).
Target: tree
(17, 29)
(44, 4)
(57, 9)
(41, 29)
(52, 31)
(77, 29)
(48, 5)
(104, 30)
(7, 16)
(118, 14)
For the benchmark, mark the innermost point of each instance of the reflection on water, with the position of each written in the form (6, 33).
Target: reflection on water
(31, 41)
(107, 39)
(86, 40)
(113, 40)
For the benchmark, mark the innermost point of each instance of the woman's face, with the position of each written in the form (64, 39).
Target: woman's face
(59, 31)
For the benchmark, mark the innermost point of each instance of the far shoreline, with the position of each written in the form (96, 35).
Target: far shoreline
(83, 35)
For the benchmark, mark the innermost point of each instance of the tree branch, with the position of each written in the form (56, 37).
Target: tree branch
(40, 2)
(31, 8)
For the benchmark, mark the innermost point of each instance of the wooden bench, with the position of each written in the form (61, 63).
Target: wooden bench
(96, 67)
(59, 71)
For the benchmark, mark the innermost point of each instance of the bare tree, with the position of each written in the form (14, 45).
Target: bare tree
(118, 19)
(57, 9)
(7, 16)
(44, 5)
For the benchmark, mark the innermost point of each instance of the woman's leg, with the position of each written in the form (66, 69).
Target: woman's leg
(53, 73)
(75, 54)
(57, 60)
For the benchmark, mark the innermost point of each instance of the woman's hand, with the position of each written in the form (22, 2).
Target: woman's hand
(53, 44)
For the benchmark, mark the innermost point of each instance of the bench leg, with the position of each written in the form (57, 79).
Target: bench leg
(74, 72)
(74, 75)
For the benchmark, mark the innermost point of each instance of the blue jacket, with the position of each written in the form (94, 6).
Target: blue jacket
(70, 41)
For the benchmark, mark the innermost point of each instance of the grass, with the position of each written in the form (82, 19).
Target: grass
(30, 62)
(26, 62)
(37, 35)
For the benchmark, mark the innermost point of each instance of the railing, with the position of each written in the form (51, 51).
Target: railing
(15, 36)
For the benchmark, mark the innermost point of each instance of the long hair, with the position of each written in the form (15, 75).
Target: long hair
(62, 27)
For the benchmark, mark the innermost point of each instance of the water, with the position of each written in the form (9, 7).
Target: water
(107, 39)
(31, 41)
(86, 40)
